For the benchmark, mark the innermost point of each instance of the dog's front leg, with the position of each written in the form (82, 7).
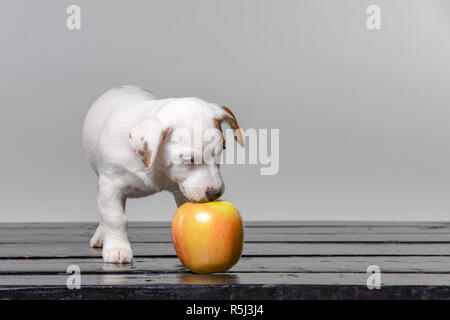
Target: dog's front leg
(111, 204)
(179, 197)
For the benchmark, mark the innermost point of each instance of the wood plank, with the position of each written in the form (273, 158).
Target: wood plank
(276, 228)
(250, 249)
(253, 265)
(149, 237)
(44, 233)
(248, 223)
(226, 292)
(71, 233)
(116, 279)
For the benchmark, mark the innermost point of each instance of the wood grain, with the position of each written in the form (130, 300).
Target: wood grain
(286, 260)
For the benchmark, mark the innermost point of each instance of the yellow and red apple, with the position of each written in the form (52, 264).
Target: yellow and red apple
(208, 237)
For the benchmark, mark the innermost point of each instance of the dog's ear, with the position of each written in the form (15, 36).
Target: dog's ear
(145, 139)
(228, 116)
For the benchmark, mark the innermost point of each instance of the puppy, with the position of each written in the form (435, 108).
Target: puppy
(139, 145)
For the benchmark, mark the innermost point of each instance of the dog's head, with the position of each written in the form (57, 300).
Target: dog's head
(184, 140)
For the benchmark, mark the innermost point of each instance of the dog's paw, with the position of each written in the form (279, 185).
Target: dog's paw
(96, 240)
(116, 254)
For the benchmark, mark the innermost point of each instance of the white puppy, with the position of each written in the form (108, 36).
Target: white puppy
(139, 145)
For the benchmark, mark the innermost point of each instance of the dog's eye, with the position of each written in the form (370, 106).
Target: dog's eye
(189, 161)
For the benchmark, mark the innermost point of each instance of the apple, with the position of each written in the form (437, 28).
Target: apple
(208, 237)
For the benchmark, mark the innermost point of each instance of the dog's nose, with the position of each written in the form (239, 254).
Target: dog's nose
(213, 194)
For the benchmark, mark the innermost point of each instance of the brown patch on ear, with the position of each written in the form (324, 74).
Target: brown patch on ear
(229, 111)
(218, 124)
(165, 134)
(145, 155)
(231, 119)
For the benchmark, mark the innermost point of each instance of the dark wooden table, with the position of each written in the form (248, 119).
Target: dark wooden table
(281, 260)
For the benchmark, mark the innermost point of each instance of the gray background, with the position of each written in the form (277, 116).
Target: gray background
(364, 116)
